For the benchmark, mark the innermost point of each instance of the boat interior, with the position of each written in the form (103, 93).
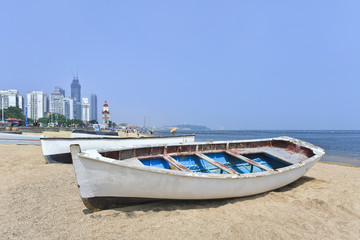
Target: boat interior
(220, 158)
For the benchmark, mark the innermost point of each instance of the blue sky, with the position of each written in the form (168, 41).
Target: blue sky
(223, 64)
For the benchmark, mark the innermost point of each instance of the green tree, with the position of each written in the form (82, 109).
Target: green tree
(55, 116)
(44, 120)
(112, 124)
(78, 121)
(13, 112)
(61, 118)
(74, 121)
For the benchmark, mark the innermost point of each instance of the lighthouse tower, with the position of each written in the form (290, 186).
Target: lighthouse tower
(106, 114)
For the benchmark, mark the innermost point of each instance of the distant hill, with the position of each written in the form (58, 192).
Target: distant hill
(184, 127)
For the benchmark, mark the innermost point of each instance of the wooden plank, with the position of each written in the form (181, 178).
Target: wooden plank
(150, 156)
(236, 154)
(176, 163)
(216, 163)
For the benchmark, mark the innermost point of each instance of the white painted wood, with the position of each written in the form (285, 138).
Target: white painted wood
(52, 146)
(86, 135)
(99, 176)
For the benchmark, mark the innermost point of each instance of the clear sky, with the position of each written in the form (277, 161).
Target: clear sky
(223, 64)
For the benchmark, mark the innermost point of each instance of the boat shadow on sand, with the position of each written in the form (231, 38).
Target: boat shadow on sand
(173, 205)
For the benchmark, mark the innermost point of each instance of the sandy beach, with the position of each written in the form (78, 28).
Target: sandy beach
(42, 201)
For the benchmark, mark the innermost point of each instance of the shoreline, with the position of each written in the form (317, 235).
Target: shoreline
(340, 164)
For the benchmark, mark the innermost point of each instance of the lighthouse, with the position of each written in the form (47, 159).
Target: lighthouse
(106, 114)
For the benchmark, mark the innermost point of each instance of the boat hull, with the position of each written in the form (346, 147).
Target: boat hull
(57, 150)
(105, 182)
(185, 188)
(89, 134)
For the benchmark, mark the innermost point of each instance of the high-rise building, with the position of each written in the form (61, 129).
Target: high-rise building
(77, 110)
(36, 103)
(57, 102)
(69, 108)
(11, 98)
(20, 101)
(93, 107)
(106, 113)
(85, 110)
(62, 91)
(76, 96)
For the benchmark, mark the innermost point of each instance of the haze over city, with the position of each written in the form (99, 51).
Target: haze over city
(225, 65)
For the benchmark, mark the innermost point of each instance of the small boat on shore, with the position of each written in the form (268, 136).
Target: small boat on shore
(190, 171)
(57, 150)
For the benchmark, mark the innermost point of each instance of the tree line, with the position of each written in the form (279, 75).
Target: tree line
(15, 112)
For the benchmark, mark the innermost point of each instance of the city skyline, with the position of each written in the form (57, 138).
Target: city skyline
(39, 102)
(58, 102)
(224, 65)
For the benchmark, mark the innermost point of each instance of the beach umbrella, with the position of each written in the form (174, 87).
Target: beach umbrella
(173, 129)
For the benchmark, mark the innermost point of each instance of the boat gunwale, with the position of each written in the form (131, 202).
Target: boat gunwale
(317, 151)
(301, 143)
(111, 138)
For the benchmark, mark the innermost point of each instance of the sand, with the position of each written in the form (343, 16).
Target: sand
(42, 201)
(50, 134)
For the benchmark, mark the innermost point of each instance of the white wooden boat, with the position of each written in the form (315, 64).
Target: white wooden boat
(80, 133)
(57, 150)
(194, 171)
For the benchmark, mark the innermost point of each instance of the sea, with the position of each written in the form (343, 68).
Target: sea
(340, 146)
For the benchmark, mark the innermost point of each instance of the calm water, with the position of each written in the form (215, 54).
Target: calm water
(340, 146)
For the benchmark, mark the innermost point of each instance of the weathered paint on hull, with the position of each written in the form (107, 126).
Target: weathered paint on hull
(101, 203)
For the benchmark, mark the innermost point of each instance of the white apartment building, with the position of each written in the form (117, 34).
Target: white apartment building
(36, 103)
(57, 102)
(21, 101)
(68, 108)
(85, 107)
(11, 98)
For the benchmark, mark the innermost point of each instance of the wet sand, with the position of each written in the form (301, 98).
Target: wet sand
(42, 201)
